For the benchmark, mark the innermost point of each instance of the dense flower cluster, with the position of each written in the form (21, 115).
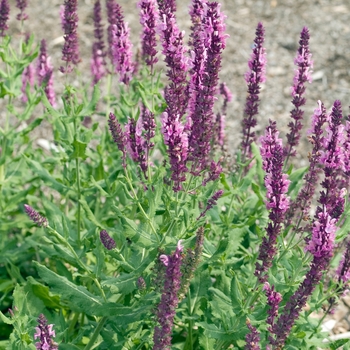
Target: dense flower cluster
(35, 216)
(321, 244)
(302, 75)
(148, 20)
(203, 85)
(277, 200)
(21, 5)
(70, 51)
(252, 338)
(45, 334)
(305, 195)
(254, 77)
(118, 135)
(98, 49)
(169, 299)
(107, 240)
(211, 202)
(45, 73)
(4, 16)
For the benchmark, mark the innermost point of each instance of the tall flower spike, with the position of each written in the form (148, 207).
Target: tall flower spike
(211, 202)
(305, 195)
(45, 73)
(277, 201)
(98, 54)
(35, 216)
(302, 75)
(169, 299)
(273, 300)
(70, 51)
(45, 334)
(254, 77)
(321, 244)
(21, 5)
(176, 140)
(27, 78)
(148, 20)
(252, 338)
(122, 53)
(118, 135)
(4, 16)
(107, 240)
(203, 85)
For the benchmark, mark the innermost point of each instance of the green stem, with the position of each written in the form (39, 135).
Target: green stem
(79, 196)
(97, 331)
(73, 323)
(189, 339)
(139, 205)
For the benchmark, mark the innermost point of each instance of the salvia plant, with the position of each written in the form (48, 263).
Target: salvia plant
(128, 227)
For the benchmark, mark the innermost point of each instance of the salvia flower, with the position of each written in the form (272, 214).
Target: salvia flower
(4, 16)
(176, 140)
(211, 202)
(273, 300)
(141, 284)
(252, 338)
(148, 20)
(302, 75)
(98, 49)
(21, 5)
(135, 142)
(169, 299)
(207, 63)
(343, 271)
(107, 240)
(321, 244)
(27, 79)
(254, 77)
(305, 195)
(190, 262)
(277, 201)
(122, 52)
(70, 51)
(214, 172)
(35, 216)
(196, 13)
(118, 135)
(45, 334)
(45, 73)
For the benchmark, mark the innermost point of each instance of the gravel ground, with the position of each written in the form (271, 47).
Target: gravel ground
(327, 20)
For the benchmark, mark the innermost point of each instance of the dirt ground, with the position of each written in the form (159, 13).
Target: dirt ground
(327, 20)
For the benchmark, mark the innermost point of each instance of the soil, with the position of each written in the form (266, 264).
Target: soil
(327, 20)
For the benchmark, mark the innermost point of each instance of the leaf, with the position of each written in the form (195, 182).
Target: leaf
(90, 215)
(206, 343)
(213, 332)
(90, 108)
(296, 180)
(124, 284)
(79, 150)
(79, 298)
(46, 176)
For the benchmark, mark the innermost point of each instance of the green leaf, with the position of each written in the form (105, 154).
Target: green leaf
(338, 343)
(78, 297)
(90, 108)
(124, 284)
(206, 343)
(79, 150)
(213, 332)
(296, 180)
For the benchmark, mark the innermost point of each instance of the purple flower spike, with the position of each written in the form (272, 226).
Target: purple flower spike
(203, 85)
(98, 49)
(169, 300)
(175, 58)
(148, 19)
(302, 75)
(121, 52)
(177, 141)
(70, 51)
(321, 244)
(45, 73)
(118, 135)
(254, 77)
(35, 216)
(211, 202)
(107, 240)
(252, 338)
(4, 16)
(305, 195)
(45, 334)
(21, 5)
(273, 300)
(27, 78)
(343, 271)
(277, 200)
